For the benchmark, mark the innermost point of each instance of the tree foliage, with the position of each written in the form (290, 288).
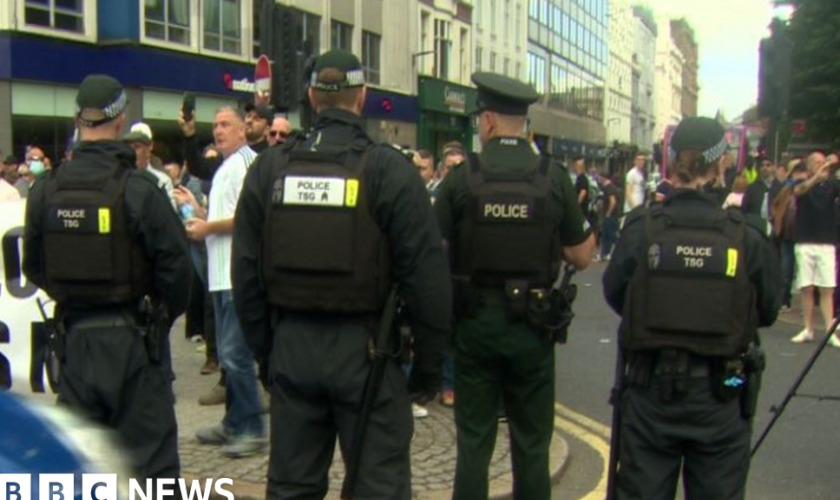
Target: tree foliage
(815, 66)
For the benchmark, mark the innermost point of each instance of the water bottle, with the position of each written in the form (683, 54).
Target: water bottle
(187, 212)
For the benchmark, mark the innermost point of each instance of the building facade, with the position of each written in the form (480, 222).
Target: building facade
(160, 49)
(443, 64)
(644, 79)
(567, 65)
(683, 37)
(618, 116)
(500, 35)
(669, 73)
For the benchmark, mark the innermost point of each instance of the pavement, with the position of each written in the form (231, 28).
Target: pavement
(432, 448)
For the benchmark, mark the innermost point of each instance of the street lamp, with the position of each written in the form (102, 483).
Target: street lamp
(418, 55)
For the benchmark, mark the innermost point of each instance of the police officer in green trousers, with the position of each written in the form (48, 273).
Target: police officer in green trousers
(326, 224)
(103, 241)
(509, 216)
(693, 283)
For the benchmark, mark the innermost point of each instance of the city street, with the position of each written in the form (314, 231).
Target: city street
(796, 461)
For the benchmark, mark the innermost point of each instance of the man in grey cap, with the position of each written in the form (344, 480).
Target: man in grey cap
(103, 241)
(509, 216)
(312, 277)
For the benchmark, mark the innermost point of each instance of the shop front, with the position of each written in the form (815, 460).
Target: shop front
(445, 115)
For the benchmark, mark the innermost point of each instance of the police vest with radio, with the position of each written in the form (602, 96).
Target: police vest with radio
(691, 289)
(322, 250)
(89, 257)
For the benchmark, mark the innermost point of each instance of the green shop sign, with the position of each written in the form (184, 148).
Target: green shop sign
(445, 97)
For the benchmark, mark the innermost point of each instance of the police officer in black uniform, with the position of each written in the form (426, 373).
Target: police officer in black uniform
(103, 241)
(325, 224)
(693, 283)
(510, 216)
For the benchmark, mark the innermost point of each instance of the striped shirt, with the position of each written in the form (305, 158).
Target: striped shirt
(227, 184)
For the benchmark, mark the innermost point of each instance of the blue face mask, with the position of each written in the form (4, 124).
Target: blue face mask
(36, 167)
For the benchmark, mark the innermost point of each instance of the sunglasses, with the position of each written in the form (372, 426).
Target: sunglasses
(275, 133)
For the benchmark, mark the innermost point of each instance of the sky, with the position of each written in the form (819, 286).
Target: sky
(728, 33)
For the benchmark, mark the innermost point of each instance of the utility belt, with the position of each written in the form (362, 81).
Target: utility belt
(544, 309)
(673, 369)
(150, 318)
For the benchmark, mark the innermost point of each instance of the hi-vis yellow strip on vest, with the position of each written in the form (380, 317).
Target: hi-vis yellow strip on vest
(320, 191)
(104, 220)
(731, 262)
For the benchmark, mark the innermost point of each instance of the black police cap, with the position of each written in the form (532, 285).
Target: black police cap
(503, 94)
(343, 61)
(99, 100)
(264, 111)
(701, 134)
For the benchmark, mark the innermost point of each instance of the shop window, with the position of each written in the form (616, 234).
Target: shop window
(342, 35)
(62, 15)
(168, 20)
(223, 26)
(370, 56)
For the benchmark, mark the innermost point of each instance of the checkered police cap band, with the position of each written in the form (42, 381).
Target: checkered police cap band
(109, 112)
(352, 78)
(709, 155)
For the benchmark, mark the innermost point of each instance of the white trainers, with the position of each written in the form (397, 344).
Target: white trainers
(803, 337)
(834, 341)
(418, 411)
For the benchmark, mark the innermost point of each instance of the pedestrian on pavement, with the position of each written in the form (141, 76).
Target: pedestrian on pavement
(100, 236)
(326, 223)
(693, 282)
(634, 184)
(815, 236)
(508, 216)
(280, 130)
(242, 430)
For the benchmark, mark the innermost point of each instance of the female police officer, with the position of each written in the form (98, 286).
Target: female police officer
(692, 283)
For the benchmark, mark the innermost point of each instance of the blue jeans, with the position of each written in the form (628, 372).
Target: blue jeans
(449, 370)
(243, 415)
(609, 229)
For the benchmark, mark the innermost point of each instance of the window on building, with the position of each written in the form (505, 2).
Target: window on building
(256, 22)
(342, 35)
(310, 34)
(425, 43)
(518, 74)
(168, 20)
(443, 48)
(506, 20)
(223, 26)
(478, 60)
(476, 15)
(492, 61)
(507, 67)
(64, 15)
(370, 56)
(518, 25)
(536, 72)
(493, 17)
(464, 55)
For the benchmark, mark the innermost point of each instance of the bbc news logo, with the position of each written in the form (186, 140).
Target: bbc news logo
(104, 487)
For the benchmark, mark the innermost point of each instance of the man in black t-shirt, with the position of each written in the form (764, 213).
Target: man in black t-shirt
(814, 243)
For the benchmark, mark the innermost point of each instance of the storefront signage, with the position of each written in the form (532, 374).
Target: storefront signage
(455, 99)
(243, 85)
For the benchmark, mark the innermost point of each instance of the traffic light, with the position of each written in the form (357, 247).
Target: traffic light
(280, 37)
(774, 73)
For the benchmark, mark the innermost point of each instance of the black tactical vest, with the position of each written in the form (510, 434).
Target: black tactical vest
(89, 257)
(322, 250)
(691, 289)
(507, 231)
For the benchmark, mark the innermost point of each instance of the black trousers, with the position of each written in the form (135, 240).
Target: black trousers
(318, 371)
(696, 434)
(107, 377)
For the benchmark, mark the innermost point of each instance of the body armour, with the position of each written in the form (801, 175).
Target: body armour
(90, 259)
(322, 250)
(691, 289)
(507, 231)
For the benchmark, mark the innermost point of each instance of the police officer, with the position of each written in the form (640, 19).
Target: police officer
(509, 216)
(325, 224)
(101, 236)
(693, 283)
